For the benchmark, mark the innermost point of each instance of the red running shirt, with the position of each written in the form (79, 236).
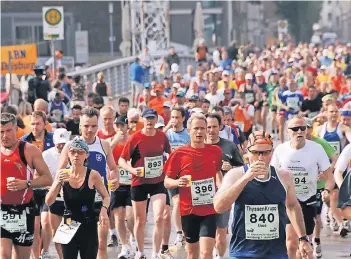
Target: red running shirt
(201, 164)
(13, 166)
(117, 152)
(147, 151)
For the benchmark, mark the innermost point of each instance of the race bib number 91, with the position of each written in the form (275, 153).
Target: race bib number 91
(262, 222)
(153, 166)
(202, 191)
(13, 222)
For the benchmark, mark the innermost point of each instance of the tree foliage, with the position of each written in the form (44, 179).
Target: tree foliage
(301, 15)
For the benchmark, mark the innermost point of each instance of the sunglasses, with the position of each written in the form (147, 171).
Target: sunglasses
(263, 153)
(296, 129)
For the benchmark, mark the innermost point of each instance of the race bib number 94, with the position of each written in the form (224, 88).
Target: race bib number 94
(262, 222)
(202, 191)
(153, 166)
(13, 222)
(301, 183)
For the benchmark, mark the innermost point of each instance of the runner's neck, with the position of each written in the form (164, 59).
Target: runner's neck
(89, 141)
(149, 132)
(40, 136)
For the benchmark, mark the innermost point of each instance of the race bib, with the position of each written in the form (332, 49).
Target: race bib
(336, 146)
(13, 222)
(124, 176)
(65, 233)
(250, 97)
(301, 183)
(202, 191)
(153, 166)
(293, 102)
(240, 125)
(262, 222)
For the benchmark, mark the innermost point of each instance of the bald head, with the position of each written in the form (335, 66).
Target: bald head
(41, 105)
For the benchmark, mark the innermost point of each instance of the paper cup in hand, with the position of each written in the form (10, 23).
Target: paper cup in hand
(188, 177)
(10, 179)
(109, 185)
(141, 169)
(67, 171)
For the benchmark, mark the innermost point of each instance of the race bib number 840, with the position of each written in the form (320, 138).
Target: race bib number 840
(262, 222)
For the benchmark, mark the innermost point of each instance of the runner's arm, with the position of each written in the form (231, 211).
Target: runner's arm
(45, 178)
(110, 161)
(53, 192)
(123, 163)
(293, 207)
(171, 183)
(233, 184)
(219, 178)
(63, 157)
(342, 164)
(100, 188)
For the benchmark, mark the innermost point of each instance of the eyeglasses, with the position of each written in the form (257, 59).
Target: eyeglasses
(263, 153)
(296, 129)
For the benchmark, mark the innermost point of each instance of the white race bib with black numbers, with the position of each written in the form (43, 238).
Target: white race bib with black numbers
(65, 233)
(293, 102)
(301, 182)
(153, 166)
(262, 222)
(202, 192)
(124, 176)
(13, 222)
(336, 146)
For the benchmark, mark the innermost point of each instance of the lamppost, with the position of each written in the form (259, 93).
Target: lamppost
(112, 38)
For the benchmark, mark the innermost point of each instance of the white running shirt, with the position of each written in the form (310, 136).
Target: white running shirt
(305, 164)
(344, 160)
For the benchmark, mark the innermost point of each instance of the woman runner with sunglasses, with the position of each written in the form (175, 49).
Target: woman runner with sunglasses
(264, 198)
(308, 162)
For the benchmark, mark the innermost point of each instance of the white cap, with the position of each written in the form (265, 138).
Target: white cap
(238, 70)
(323, 67)
(176, 85)
(259, 73)
(291, 60)
(225, 73)
(196, 110)
(325, 52)
(248, 76)
(167, 104)
(160, 122)
(61, 136)
(220, 69)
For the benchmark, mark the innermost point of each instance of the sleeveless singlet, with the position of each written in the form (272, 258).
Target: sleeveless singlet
(101, 89)
(15, 165)
(97, 158)
(259, 219)
(250, 95)
(334, 138)
(80, 202)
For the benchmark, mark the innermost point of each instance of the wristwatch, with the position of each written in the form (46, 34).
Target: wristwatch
(304, 238)
(29, 184)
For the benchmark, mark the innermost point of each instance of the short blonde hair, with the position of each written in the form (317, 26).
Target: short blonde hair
(198, 116)
(100, 75)
(24, 109)
(109, 108)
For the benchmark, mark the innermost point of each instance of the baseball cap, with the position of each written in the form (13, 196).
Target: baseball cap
(323, 67)
(79, 144)
(147, 85)
(225, 73)
(194, 98)
(149, 113)
(180, 94)
(196, 110)
(248, 76)
(160, 122)
(61, 136)
(121, 120)
(167, 104)
(345, 113)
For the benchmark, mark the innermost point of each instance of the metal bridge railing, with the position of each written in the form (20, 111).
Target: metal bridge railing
(116, 72)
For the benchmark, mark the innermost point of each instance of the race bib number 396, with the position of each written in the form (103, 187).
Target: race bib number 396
(153, 166)
(202, 191)
(262, 222)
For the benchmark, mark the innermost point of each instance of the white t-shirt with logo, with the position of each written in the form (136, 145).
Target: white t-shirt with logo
(52, 158)
(305, 164)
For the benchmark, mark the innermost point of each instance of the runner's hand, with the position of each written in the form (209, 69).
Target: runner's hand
(138, 171)
(103, 218)
(305, 250)
(118, 136)
(257, 168)
(183, 181)
(226, 166)
(62, 176)
(17, 185)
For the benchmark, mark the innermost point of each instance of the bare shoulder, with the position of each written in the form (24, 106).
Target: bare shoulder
(233, 175)
(285, 176)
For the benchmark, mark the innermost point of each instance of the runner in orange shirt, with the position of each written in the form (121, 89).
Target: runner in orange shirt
(244, 115)
(158, 101)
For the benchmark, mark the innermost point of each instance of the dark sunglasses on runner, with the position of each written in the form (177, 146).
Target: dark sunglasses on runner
(263, 153)
(296, 129)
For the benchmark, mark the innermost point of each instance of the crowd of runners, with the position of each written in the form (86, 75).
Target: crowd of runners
(255, 143)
